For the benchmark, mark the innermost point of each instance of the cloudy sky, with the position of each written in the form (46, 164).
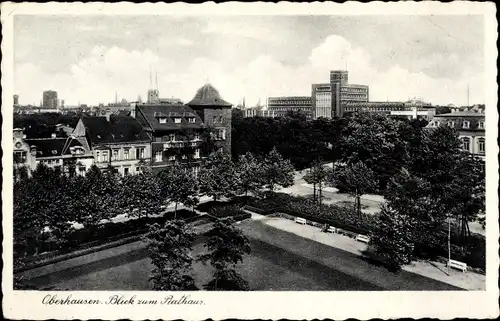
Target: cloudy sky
(88, 58)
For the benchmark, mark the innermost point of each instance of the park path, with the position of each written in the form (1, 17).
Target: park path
(433, 270)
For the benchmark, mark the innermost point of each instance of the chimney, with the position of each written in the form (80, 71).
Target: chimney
(108, 116)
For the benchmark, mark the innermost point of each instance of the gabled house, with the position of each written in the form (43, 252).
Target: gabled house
(117, 141)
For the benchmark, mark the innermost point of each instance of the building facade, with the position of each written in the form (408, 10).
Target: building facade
(329, 99)
(412, 109)
(215, 114)
(176, 133)
(60, 153)
(49, 99)
(470, 127)
(117, 141)
(280, 106)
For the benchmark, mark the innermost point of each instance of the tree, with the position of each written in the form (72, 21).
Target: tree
(356, 179)
(411, 222)
(467, 192)
(226, 245)
(277, 171)
(95, 197)
(141, 194)
(169, 248)
(317, 175)
(178, 185)
(378, 142)
(249, 174)
(392, 239)
(217, 176)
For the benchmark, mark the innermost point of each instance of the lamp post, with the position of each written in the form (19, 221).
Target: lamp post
(449, 244)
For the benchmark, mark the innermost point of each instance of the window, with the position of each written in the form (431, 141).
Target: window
(215, 119)
(466, 124)
(81, 169)
(220, 119)
(126, 170)
(481, 145)
(481, 125)
(115, 154)
(139, 153)
(126, 153)
(466, 144)
(171, 137)
(197, 153)
(98, 156)
(20, 157)
(192, 120)
(163, 120)
(171, 158)
(177, 120)
(105, 156)
(158, 156)
(437, 124)
(451, 124)
(221, 134)
(197, 136)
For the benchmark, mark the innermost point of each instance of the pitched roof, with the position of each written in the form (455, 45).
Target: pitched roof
(119, 129)
(52, 147)
(208, 96)
(462, 114)
(153, 114)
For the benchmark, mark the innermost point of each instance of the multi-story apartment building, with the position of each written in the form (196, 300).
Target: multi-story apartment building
(54, 152)
(470, 127)
(180, 133)
(280, 106)
(117, 141)
(329, 99)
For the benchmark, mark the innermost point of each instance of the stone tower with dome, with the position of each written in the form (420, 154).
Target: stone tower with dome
(215, 113)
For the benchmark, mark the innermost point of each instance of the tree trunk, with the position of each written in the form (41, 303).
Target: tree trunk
(314, 192)
(320, 193)
(175, 211)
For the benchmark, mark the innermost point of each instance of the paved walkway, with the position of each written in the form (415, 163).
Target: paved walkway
(433, 270)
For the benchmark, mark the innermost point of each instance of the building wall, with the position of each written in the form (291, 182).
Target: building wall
(280, 106)
(22, 156)
(115, 155)
(219, 119)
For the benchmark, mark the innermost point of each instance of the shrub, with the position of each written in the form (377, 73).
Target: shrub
(226, 211)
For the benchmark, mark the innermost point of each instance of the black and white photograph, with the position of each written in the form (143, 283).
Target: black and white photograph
(193, 154)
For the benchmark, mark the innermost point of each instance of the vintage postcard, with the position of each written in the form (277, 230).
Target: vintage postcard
(249, 160)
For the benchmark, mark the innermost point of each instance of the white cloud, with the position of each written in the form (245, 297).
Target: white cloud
(238, 27)
(96, 77)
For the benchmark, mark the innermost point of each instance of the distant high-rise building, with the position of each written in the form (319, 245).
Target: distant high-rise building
(62, 103)
(16, 100)
(49, 99)
(330, 99)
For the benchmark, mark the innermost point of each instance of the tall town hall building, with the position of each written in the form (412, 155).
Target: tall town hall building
(329, 99)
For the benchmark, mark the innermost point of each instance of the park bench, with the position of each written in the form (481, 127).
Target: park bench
(331, 229)
(300, 220)
(457, 265)
(363, 238)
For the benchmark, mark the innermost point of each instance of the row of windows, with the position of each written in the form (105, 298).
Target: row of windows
(103, 156)
(465, 124)
(173, 138)
(466, 144)
(176, 120)
(159, 156)
(217, 119)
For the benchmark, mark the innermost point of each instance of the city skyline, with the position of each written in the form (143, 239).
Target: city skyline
(90, 58)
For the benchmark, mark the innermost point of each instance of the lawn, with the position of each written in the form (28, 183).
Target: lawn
(278, 262)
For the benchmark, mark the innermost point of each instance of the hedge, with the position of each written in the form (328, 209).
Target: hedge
(105, 233)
